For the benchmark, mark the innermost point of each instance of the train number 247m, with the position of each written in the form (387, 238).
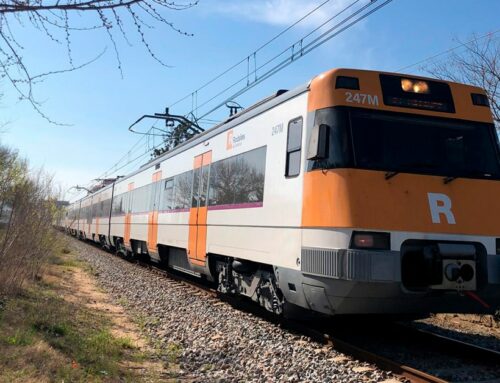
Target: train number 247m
(361, 98)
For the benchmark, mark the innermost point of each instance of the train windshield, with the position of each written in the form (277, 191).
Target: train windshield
(413, 144)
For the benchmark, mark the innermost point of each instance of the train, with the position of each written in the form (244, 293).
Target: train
(360, 192)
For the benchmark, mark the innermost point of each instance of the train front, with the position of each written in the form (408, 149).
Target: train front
(401, 208)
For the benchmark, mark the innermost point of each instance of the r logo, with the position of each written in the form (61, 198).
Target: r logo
(440, 204)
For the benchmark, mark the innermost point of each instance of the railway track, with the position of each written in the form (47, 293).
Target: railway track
(393, 346)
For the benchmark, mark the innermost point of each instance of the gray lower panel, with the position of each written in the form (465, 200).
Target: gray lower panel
(334, 296)
(355, 265)
(178, 257)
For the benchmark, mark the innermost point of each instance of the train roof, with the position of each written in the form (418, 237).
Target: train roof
(244, 115)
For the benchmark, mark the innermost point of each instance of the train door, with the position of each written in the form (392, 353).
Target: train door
(153, 213)
(197, 250)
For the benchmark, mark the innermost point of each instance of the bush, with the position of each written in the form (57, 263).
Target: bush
(27, 211)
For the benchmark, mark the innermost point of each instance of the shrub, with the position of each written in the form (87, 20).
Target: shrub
(27, 211)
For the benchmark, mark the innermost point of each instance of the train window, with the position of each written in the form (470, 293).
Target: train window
(204, 185)
(167, 201)
(155, 195)
(127, 202)
(182, 190)
(89, 214)
(196, 187)
(106, 208)
(118, 207)
(293, 147)
(238, 180)
(141, 198)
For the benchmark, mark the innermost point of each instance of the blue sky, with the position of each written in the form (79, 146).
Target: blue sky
(99, 104)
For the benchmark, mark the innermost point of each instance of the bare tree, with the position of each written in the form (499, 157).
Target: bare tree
(176, 136)
(60, 20)
(477, 64)
(27, 212)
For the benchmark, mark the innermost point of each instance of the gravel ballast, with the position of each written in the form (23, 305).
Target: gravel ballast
(214, 342)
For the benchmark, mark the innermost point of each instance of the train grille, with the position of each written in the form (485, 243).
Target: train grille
(350, 264)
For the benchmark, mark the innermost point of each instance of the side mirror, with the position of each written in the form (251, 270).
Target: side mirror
(318, 143)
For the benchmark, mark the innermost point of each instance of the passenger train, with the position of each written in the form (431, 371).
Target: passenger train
(360, 192)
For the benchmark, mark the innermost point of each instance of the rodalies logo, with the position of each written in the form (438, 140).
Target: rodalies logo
(233, 141)
(440, 206)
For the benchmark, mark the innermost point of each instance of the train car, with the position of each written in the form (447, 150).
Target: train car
(361, 192)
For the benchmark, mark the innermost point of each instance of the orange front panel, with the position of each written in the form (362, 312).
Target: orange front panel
(323, 95)
(126, 234)
(351, 198)
(153, 231)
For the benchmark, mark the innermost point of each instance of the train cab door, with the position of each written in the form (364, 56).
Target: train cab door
(197, 247)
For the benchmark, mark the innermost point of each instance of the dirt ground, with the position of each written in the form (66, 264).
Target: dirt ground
(79, 287)
(64, 328)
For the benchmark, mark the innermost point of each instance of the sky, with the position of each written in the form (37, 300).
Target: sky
(94, 105)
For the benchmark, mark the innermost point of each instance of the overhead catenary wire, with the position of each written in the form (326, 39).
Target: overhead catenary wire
(256, 69)
(448, 51)
(320, 40)
(194, 94)
(307, 48)
(246, 59)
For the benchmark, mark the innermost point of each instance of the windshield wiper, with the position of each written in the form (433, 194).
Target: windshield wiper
(449, 179)
(389, 175)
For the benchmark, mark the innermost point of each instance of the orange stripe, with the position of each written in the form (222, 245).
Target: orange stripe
(193, 230)
(198, 161)
(156, 176)
(352, 198)
(201, 242)
(126, 234)
(153, 230)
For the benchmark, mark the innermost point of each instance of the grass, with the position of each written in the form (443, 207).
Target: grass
(46, 338)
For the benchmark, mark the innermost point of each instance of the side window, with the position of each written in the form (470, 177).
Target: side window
(239, 179)
(168, 195)
(196, 187)
(293, 148)
(118, 204)
(183, 189)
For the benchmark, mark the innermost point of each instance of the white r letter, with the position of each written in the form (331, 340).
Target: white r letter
(440, 204)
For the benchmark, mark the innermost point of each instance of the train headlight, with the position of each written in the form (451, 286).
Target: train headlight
(370, 240)
(414, 86)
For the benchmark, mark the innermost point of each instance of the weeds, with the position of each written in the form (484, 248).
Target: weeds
(43, 335)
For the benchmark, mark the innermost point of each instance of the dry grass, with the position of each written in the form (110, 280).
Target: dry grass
(46, 338)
